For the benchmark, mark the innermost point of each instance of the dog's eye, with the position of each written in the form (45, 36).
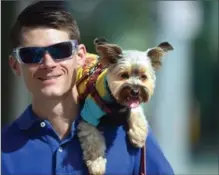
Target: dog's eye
(125, 75)
(144, 77)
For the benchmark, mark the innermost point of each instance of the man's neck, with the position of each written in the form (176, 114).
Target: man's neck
(60, 113)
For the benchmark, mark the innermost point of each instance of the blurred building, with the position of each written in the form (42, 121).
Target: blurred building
(184, 112)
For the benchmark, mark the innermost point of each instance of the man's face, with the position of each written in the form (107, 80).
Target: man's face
(48, 79)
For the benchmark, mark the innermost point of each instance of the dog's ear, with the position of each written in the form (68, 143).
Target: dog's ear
(109, 53)
(156, 54)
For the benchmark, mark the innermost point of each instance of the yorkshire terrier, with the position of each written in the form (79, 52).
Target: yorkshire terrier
(124, 77)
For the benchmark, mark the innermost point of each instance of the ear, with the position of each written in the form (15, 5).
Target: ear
(156, 54)
(81, 55)
(13, 63)
(109, 53)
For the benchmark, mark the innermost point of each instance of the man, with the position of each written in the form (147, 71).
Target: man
(47, 52)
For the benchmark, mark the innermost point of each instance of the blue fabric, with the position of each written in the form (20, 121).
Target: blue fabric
(91, 111)
(31, 147)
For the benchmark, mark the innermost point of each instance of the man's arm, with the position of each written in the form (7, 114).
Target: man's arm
(156, 162)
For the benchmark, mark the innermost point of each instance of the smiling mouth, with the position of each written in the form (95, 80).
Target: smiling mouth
(48, 78)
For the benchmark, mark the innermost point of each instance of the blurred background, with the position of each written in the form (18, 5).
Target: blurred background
(184, 111)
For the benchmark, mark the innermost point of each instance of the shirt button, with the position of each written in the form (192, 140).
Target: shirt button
(42, 124)
(60, 150)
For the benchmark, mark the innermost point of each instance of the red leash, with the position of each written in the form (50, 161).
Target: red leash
(143, 161)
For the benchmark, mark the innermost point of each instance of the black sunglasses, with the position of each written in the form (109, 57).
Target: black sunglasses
(59, 51)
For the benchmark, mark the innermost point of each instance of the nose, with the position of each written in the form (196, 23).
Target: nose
(47, 61)
(135, 92)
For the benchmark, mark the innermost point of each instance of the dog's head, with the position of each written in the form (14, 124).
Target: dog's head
(131, 73)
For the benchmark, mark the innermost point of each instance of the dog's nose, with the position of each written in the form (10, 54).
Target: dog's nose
(135, 92)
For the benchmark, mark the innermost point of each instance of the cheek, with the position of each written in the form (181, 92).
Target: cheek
(150, 85)
(27, 75)
(69, 68)
(28, 72)
(69, 65)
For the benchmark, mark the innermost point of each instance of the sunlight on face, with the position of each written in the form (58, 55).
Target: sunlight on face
(50, 79)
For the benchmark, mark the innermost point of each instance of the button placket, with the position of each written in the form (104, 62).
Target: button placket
(60, 157)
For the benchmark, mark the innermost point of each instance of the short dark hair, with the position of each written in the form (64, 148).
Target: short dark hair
(52, 14)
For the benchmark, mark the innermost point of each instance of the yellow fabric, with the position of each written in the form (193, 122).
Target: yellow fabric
(91, 112)
(91, 60)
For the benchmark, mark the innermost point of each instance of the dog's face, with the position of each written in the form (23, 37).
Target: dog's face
(131, 74)
(131, 79)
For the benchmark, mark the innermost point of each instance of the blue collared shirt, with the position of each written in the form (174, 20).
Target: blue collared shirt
(30, 146)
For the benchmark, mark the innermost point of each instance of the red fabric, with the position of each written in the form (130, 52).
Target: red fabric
(143, 165)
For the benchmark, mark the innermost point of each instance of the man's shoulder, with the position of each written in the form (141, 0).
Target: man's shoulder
(157, 162)
(15, 128)
(10, 134)
(9, 129)
(116, 138)
(121, 154)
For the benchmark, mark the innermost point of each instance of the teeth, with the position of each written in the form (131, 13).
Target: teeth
(47, 78)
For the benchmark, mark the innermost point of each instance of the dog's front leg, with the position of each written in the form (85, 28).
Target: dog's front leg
(93, 146)
(138, 127)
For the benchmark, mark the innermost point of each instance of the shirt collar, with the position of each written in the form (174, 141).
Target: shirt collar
(27, 119)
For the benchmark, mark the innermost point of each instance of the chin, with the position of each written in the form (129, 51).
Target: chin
(52, 93)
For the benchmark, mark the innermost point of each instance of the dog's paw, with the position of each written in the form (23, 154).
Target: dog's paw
(137, 136)
(97, 166)
(138, 127)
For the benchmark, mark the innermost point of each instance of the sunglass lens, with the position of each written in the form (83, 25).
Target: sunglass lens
(31, 54)
(61, 50)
